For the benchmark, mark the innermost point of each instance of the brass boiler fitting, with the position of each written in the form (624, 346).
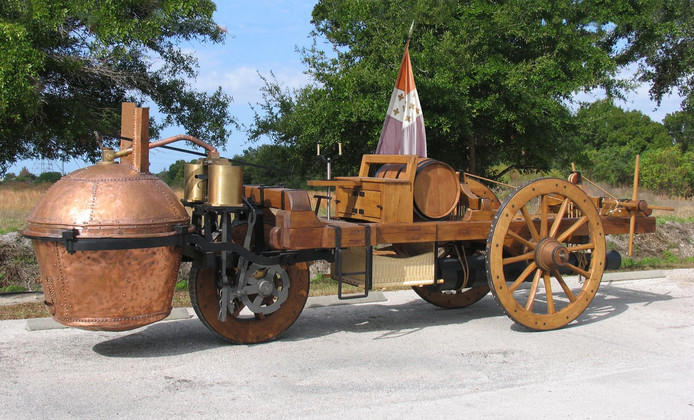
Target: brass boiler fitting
(195, 177)
(224, 183)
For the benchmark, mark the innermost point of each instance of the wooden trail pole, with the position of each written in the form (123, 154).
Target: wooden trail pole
(634, 197)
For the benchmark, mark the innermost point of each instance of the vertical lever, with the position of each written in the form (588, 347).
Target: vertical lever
(634, 197)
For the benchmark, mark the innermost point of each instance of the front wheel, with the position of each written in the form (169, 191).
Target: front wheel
(273, 300)
(553, 230)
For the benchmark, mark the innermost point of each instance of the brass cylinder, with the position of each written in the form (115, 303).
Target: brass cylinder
(224, 184)
(195, 189)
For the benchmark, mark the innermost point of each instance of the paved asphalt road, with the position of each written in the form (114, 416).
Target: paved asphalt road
(630, 355)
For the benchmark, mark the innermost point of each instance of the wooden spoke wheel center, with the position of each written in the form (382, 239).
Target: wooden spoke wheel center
(550, 254)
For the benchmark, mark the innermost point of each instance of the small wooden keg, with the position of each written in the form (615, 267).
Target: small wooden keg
(436, 187)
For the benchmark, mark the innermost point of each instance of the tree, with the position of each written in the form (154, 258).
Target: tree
(66, 66)
(668, 171)
(174, 176)
(269, 165)
(680, 125)
(613, 137)
(494, 79)
(659, 36)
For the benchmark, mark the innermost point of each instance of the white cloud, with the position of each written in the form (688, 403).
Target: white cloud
(638, 99)
(244, 83)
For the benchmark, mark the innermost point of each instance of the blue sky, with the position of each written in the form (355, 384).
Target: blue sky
(262, 37)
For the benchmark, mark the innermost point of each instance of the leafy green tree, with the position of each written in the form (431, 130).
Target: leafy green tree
(494, 79)
(668, 171)
(680, 125)
(25, 175)
(174, 176)
(659, 36)
(66, 66)
(613, 137)
(49, 177)
(269, 165)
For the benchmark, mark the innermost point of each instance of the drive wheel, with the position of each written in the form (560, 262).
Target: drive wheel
(553, 227)
(452, 299)
(243, 326)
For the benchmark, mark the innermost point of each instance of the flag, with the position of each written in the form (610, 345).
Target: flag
(403, 129)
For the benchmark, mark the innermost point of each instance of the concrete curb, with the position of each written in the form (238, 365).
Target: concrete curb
(42, 324)
(633, 275)
(323, 301)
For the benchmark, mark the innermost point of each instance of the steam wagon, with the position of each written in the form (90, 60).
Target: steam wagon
(109, 240)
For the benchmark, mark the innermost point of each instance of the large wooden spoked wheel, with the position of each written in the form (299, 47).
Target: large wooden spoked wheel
(549, 225)
(242, 326)
(452, 299)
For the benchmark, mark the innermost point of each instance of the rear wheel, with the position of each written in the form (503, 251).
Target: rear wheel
(452, 299)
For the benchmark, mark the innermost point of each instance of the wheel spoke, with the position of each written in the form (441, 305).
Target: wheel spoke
(251, 289)
(522, 257)
(580, 222)
(521, 239)
(533, 290)
(544, 210)
(258, 301)
(577, 270)
(584, 247)
(548, 294)
(524, 275)
(530, 223)
(562, 283)
(559, 217)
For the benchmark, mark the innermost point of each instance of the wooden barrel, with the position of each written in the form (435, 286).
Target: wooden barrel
(436, 187)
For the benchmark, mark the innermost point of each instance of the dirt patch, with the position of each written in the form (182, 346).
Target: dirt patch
(18, 262)
(671, 237)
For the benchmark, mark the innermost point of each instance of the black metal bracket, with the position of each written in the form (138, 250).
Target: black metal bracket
(73, 243)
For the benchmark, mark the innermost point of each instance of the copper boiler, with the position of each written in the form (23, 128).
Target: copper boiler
(105, 240)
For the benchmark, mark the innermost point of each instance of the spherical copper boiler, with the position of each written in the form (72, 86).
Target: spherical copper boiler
(103, 241)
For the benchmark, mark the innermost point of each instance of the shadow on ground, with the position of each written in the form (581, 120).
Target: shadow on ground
(391, 321)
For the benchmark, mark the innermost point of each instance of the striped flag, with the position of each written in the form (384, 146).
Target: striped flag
(403, 129)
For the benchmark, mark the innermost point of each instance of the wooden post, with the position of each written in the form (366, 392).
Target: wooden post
(127, 129)
(135, 126)
(141, 140)
(634, 197)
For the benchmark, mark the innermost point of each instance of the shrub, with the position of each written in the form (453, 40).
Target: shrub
(668, 171)
(49, 177)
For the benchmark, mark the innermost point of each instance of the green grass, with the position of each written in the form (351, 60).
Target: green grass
(13, 289)
(322, 285)
(668, 260)
(661, 220)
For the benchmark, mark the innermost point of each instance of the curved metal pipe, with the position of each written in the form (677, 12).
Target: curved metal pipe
(210, 149)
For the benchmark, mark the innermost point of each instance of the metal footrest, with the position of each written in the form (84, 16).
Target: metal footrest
(368, 265)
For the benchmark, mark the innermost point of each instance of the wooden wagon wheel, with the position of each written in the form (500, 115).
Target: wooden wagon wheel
(452, 299)
(243, 326)
(546, 224)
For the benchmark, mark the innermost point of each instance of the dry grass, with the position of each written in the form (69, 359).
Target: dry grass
(17, 201)
(684, 208)
(24, 311)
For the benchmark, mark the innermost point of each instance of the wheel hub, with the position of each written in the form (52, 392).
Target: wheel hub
(550, 254)
(264, 289)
